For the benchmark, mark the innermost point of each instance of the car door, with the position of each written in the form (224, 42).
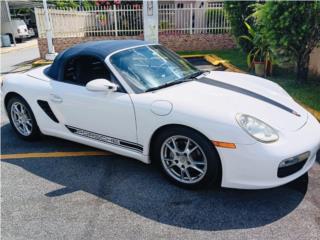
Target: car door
(98, 116)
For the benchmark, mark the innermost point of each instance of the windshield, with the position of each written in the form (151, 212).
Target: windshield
(150, 67)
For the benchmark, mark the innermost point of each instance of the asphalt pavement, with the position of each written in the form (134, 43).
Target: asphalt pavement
(113, 197)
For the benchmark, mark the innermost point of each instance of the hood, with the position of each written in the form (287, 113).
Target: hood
(231, 93)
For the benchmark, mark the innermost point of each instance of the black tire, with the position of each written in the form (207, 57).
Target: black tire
(19, 40)
(11, 37)
(212, 175)
(34, 132)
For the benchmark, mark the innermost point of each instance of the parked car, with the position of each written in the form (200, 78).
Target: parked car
(143, 101)
(17, 29)
(30, 20)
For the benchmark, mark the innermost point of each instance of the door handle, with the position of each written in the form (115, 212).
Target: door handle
(55, 98)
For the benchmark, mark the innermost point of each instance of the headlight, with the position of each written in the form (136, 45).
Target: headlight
(257, 129)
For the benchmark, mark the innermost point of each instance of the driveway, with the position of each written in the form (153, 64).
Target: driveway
(54, 194)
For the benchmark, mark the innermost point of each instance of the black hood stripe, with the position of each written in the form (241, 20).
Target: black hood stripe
(246, 92)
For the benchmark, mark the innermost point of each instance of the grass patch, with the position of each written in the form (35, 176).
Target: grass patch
(308, 93)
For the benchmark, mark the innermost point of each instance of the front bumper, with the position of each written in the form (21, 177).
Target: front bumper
(255, 166)
(20, 36)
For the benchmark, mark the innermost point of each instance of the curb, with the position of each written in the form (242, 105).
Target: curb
(215, 60)
(40, 62)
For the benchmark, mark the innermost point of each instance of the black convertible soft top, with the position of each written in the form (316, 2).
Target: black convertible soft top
(99, 49)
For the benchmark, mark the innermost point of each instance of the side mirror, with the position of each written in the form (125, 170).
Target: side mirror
(101, 85)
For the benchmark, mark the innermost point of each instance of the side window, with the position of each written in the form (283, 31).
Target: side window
(69, 74)
(82, 70)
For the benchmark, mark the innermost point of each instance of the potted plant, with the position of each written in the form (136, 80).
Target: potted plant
(260, 56)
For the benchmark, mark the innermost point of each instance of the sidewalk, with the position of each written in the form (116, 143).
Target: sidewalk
(19, 58)
(28, 43)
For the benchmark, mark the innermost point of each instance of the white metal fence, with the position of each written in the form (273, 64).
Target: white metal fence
(127, 20)
(96, 21)
(191, 18)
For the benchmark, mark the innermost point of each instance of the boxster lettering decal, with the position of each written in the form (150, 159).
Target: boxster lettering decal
(106, 139)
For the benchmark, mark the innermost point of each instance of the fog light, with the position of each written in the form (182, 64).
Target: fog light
(294, 160)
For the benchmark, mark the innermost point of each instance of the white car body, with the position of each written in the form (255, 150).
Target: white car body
(131, 119)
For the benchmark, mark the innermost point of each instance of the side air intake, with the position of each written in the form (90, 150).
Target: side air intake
(46, 108)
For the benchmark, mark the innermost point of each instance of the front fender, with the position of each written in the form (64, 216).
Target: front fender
(148, 123)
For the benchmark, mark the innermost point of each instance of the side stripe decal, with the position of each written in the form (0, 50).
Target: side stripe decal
(246, 92)
(106, 139)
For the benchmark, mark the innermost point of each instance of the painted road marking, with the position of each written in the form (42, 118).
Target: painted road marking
(54, 154)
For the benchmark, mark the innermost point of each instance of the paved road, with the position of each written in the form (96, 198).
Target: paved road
(112, 197)
(13, 60)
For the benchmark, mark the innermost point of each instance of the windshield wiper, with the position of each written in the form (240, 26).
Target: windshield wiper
(194, 75)
(167, 85)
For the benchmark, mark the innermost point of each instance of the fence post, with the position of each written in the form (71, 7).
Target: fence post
(151, 21)
(191, 20)
(115, 19)
(51, 53)
(36, 14)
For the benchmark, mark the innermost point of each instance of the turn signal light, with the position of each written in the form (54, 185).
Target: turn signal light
(224, 144)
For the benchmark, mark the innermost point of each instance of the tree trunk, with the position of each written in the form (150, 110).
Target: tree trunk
(303, 68)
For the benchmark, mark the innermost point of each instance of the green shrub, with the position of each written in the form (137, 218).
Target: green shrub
(292, 29)
(237, 13)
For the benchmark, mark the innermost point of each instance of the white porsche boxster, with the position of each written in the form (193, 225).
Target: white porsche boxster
(143, 101)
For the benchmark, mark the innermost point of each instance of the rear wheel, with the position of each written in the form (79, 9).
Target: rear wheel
(187, 158)
(22, 119)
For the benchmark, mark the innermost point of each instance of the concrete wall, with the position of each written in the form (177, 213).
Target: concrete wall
(314, 65)
(174, 42)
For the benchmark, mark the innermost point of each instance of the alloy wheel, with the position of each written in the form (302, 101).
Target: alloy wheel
(183, 159)
(21, 118)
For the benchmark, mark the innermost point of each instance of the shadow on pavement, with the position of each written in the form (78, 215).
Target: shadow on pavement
(142, 189)
(11, 144)
(20, 67)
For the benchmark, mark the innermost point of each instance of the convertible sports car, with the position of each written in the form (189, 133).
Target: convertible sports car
(145, 102)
